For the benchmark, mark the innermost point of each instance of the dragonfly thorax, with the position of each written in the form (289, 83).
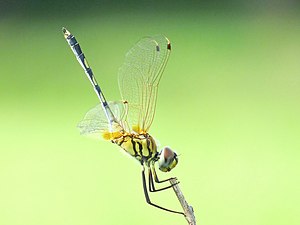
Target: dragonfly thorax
(140, 146)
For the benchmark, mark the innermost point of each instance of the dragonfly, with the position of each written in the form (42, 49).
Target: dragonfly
(126, 123)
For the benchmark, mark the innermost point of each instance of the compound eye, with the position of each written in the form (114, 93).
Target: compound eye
(167, 159)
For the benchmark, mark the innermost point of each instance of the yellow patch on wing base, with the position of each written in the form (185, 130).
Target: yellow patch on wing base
(138, 130)
(111, 135)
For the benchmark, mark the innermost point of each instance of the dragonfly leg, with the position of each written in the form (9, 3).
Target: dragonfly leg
(151, 183)
(156, 177)
(150, 180)
(148, 198)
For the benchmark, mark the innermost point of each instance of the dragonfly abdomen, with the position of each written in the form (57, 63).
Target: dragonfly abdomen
(142, 147)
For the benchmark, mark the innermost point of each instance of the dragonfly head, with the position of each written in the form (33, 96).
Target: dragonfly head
(167, 159)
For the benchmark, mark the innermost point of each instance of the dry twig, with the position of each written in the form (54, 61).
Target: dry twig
(188, 210)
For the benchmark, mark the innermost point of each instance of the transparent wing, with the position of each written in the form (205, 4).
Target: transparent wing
(95, 122)
(139, 77)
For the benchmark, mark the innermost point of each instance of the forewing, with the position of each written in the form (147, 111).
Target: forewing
(95, 121)
(139, 77)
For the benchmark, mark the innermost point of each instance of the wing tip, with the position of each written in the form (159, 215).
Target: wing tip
(169, 46)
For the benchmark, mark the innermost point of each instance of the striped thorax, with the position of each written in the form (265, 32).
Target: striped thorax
(140, 146)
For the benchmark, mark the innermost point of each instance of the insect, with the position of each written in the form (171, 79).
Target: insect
(126, 123)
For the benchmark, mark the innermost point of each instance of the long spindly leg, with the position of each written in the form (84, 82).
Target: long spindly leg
(156, 177)
(151, 183)
(150, 180)
(148, 198)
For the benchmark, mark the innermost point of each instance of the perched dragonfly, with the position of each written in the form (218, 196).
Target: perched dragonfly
(127, 122)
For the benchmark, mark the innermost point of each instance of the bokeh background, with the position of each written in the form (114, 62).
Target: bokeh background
(228, 103)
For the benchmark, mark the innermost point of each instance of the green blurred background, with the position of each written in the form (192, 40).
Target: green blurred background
(228, 103)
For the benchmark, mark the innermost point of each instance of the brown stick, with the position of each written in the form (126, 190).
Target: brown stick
(188, 210)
